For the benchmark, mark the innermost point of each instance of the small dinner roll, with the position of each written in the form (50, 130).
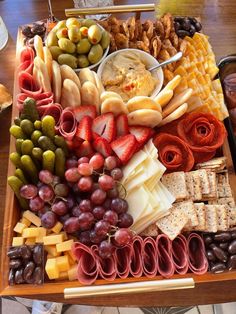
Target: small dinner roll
(38, 46)
(56, 81)
(176, 114)
(164, 97)
(70, 94)
(48, 61)
(41, 73)
(86, 75)
(90, 95)
(145, 117)
(68, 73)
(142, 102)
(106, 95)
(114, 105)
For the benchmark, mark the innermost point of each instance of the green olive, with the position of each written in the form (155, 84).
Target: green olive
(84, 31)
(59, 25)
(52, 39)
(62, 33)
(83, 46)
(105, 41)
(55, 51)
(74, 34)
(94, 34)
(88, 22)
(73, 21)
(82, 61)
(68, 59)
(66, 45)
(95, 54)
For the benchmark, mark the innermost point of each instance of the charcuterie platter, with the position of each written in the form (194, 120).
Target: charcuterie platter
(120, 174)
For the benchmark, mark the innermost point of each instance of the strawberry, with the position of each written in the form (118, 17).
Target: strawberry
(95, 135)
(85, 150)
(82, 111)
(104, 126)
(124, 147)
(84, 129)
(141, 133)
(122, 127)
(102, 146)
(74, 143)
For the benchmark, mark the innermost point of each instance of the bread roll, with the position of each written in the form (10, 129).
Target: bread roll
(145, 117)
(176, 114)
(90, 95)
(86, 75)
(38, 46)
(142, 102)
(48, 61)
(56, 81)
(41, 73)
(107, 95)
(114, 105)
(68, 73)
(70, 94)
(164, 97)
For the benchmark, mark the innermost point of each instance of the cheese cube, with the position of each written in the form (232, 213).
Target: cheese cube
(17, 241)
(71, 258)
(72, 273)
(63, 275)
(30, 232)
(52, 269)
(64, 246)
(42, 233)
(50, 256)
(53, 239)
(51, 249)
(57, 228)
(19, 227)
(65, 237)
(25, 221)
(63, 263)
(30, 241)
(32, 218)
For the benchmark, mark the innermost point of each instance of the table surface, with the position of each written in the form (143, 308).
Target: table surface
(218, 19)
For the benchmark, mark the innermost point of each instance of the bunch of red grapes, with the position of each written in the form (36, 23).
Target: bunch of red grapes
(87, 202)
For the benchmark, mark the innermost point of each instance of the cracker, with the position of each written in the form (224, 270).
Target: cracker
(197, 186)
(205, 184)
(218, 163)
(211, 218)
(213, 184)
(200, 211)
(175, 183)
(189, 184)
(224, 190)
(188, 208)
(150, 231)
(172, 224)
(222, 178)
(222, 217)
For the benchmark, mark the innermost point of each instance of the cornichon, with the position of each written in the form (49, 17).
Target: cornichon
(20, 174)
(18, 144)
(46, 143)
(48, 126)
(60, 142)
(37, 153)
(15, 183)
(29, 110)
(60, 161)
(27, 126)
(17, 121)
(49, 160)
(37, 124)
(35, 136)
(16, 159)
(29, 168)
(26, 147)
(17, 132)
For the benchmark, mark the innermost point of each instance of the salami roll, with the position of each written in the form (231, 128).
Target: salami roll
(88, 264)
(179, 254)
(26, 60)
(123, 258)
(68, 124)
(136, 262)
(28, 85)
(165, 264)
(198, 263)
(106, 266)
(149, 257)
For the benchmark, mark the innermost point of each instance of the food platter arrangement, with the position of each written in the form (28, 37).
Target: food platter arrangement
(119, 171)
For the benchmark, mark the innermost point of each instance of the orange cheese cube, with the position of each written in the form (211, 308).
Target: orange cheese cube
(25, 221)
(52, 269)
(63, 263)
(32, 218)
(51, 249)
(72, 273)
(19, 227)
(17, 241)
(30, 232)
(30, 241)
(53, 239)
(57, 228)
(42, 233)
(64, 246)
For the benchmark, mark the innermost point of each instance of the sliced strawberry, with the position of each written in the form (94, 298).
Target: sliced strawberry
(95, 135)
(124, 147)
(85, 150)
(141, 133)
(84, 129)
(122, 126)
(74, 143)
(82, 111)
(104, 126)
(102, 146)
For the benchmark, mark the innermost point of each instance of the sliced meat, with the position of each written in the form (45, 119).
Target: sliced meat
(28, 85)
(165, 264)
(149, 257)
(123, 258)
(68, 124)
(107, 266)
(180, 254)
(136, 263)
(198, 263)
(26, 60)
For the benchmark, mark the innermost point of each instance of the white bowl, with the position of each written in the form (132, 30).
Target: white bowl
(147, 59)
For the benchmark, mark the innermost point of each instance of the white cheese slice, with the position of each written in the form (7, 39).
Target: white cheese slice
(137, 200)
(136, 160)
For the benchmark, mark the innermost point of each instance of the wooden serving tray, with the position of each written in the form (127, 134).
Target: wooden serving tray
(209, 288)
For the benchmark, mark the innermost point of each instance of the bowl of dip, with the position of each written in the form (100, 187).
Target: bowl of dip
(126, 73)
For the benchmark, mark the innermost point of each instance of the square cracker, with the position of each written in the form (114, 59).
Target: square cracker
(230, 204)
(189, 184)
(200, 211)
(224, 190)
(196, 185)
(188, 208)
(176, 184)
(218, 163)
(223, 217)
(213, 185)
(150, 231)
(222, 178)
(172, 224)
(211, 218)
(205, 184)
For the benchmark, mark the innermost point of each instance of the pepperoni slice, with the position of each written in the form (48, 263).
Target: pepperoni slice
(179, 254)
(136, 263)
(26, 60)
(68, 124)
(123, 258)
(107, 266)
(173, 152)
(28, 85)
(165, 264)
(198, 263)
(149, 257)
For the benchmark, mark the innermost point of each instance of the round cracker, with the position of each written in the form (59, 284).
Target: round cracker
(171, 85)
(68, 73)
(164, 97)
(38, 46)
(86, 75)
(142, 102)
(98, 82)
(175, 114)
(89, 95)
(145, 117)
(107, 95)
(48, 61)
(56, 81)
(114, 105)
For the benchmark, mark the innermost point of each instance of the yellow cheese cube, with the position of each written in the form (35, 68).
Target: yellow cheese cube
(50, 256)
(51, 249)
(57, 228)
(30, 232)
(64, 246)
(17, 241)
(42, 233)
(72, 256)
(25, 221)
(52, 269)
(72, 273)
(53, 239)
(63, 263)
(63, 275)
(32, 218)
(19, 227)
(30, 241)
(71, 260)
(65, 237)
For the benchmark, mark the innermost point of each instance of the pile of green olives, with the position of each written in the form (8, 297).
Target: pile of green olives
(77, 43)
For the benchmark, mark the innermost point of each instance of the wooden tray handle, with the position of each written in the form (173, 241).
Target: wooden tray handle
(126, 288)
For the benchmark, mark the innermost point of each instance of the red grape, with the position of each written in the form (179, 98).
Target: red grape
(113, 193)
(111, 217)
(61, 189)
(106, 182)
(56, 180)
(119, 205)
(85, 206)
(71, 163)
(98, 212)
(85, 169)
(70, 201)
(98, 197)
(48, 220)
(97, 161)
(76, 211)
(125, 220)
(102, 227)
(107, 204)
(84, 237)
(95, 186)
(85, 184)
(46, 193)
(28, 191)
(71, 225)
(46, 176)
(72, 175)
(36, 204)
(106, 249)
(110, 162)
(60, 208)
(64, 218)
(83, 160)
(117, 174)
(94, 238)
(123, 236)
(86, 220)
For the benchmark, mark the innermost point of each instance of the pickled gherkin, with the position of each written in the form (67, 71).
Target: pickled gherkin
(17, 121)
(20, 174)
(27, 126)
(29, 168)
(26, 147)
(37, 124)
(15, 158)
(35, 136)
(37, 153)
(18, 144)
(16, 184)
(60, 142)
(17, 132)
(29, 110)
(60, 162)
(49, 160)
(46, 143)
(48, 126)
